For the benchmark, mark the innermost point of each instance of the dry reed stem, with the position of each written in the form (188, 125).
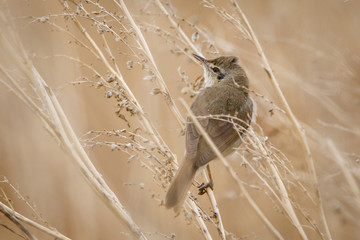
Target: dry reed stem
(245, 28)
(164, 88)
(117, 73)
(276, 168)
(260, 177)
(230, 170)
(196, 210)
(275, 84)
(77, 152)
(285, 201)
(144, 121)
(296, 125)
(21, 197)
(259, 212)
(178, 27)
(51, 232)
(340, 127)
(345, 169)
(147, 51)
(58, 125)
(215, 207)
(13, 219)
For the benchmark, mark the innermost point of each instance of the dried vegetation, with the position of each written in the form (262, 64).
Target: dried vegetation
(295, 176)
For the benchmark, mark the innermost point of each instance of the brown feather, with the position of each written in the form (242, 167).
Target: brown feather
(180, 185)
(215, 101)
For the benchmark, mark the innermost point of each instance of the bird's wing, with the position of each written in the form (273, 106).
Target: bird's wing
(215, 101)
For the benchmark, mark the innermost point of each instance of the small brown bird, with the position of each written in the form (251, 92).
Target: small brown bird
(225, 93)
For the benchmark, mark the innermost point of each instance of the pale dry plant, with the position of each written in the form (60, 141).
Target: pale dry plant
(48, 109)
(96, 29)
(55, 121)
(8, 209)
(185, 40)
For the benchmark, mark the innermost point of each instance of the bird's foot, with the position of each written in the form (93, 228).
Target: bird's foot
(203, 187)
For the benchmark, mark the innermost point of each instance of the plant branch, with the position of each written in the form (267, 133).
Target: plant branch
(46, 230)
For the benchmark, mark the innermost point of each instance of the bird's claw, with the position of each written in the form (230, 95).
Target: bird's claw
(203, 187)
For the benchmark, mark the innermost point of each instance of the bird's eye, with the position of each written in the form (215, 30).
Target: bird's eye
(215, 69)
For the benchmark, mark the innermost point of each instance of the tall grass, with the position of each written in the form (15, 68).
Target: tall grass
(135, 59)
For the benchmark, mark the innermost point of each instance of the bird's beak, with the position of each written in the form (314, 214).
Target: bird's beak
(200, 59)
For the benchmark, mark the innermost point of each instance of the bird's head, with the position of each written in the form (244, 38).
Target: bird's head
(219, 69)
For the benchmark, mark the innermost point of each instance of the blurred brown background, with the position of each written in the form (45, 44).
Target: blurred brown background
(313, 47)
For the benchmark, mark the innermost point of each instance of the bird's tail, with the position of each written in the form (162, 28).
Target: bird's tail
(180, 185)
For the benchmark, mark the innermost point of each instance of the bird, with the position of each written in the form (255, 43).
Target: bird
(225, 95)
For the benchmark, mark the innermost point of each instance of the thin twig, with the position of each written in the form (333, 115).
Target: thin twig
(147, 51)
(195, 209)
(296, 125)
(344, 168)
(60, 127)
(17, 223)
(285, 201)
(51, 232)
(177, 26)
(142, 117)
(77, 152)
(215, 208)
